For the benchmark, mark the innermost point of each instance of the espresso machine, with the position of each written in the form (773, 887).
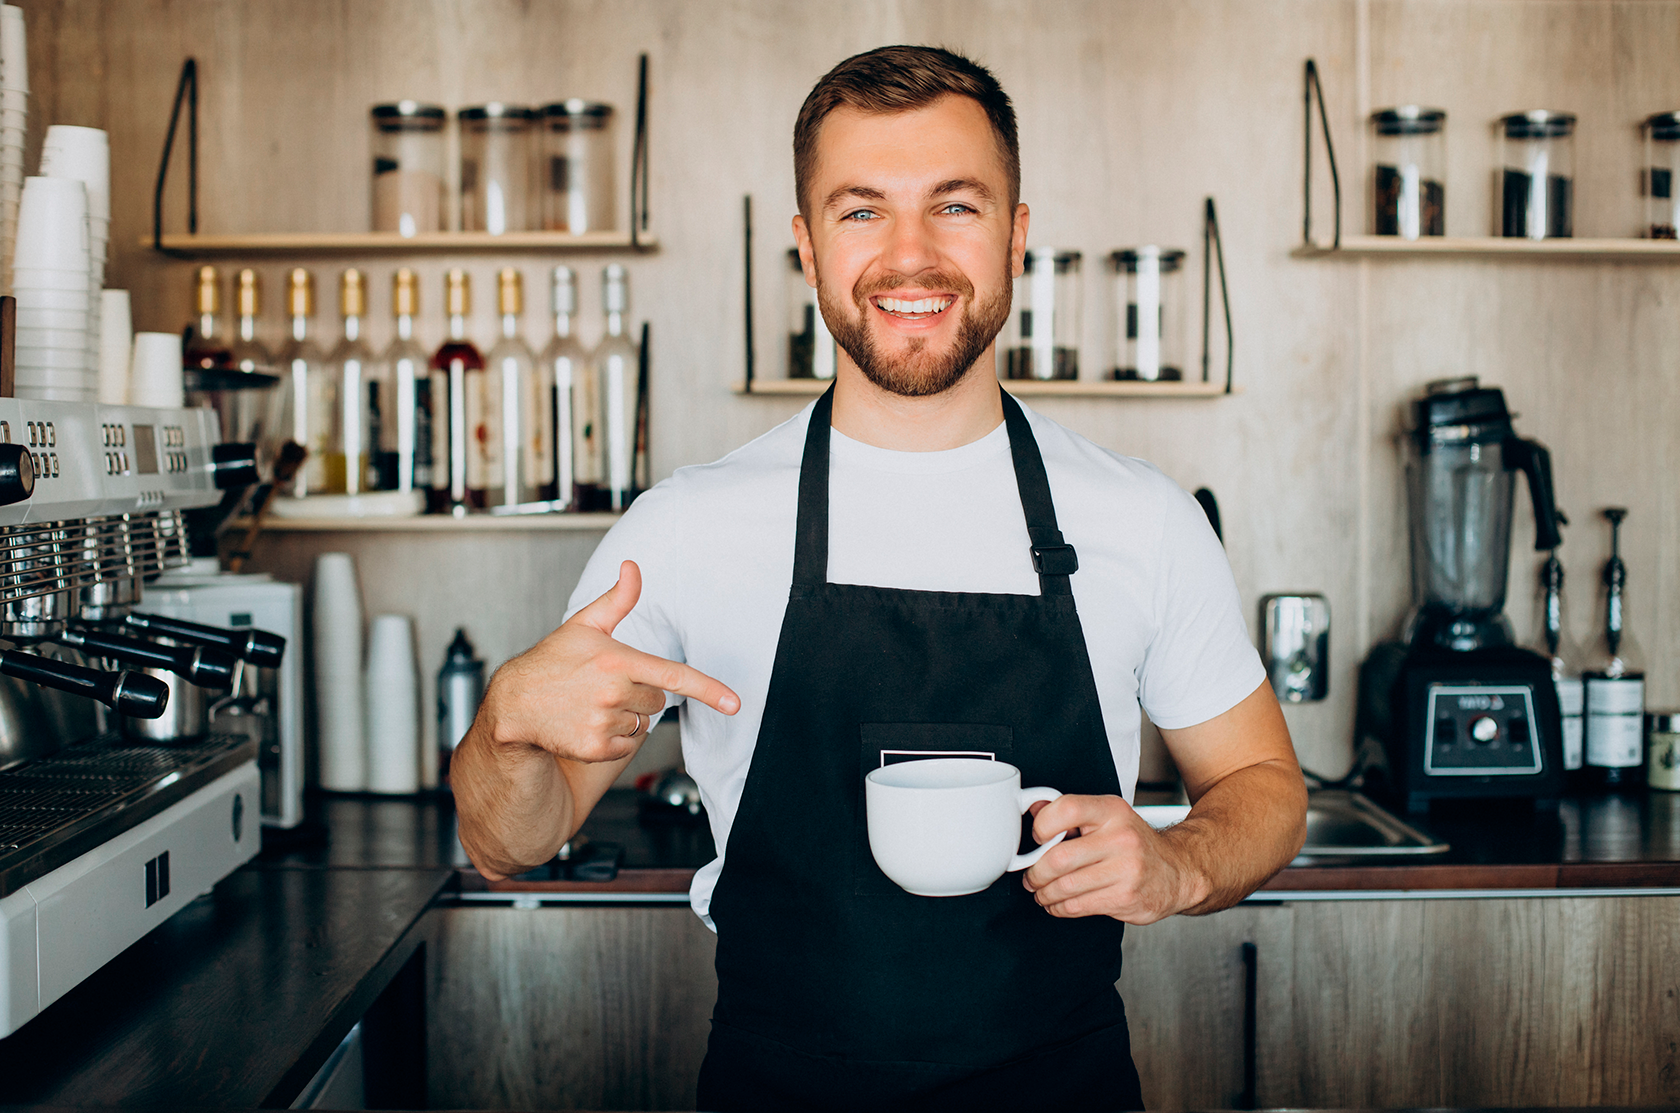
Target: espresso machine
(105, 834)
(1460, 709)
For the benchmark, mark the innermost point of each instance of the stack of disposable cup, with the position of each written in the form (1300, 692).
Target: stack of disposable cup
(154, 372)
(50, 282)
(393, 706)
(84, 155)
(116, 335)
(336, 639)
(14, 122)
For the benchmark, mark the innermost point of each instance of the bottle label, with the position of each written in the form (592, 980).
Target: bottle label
(1571, 699)
(1615, 729)
(1664, 769)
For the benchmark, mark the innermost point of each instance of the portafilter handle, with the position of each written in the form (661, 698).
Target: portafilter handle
(128, 693)
(207, 666)
(260, 647)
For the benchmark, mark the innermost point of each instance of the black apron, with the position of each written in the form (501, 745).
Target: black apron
(837, 989)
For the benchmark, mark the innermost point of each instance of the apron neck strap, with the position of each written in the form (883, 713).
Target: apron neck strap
(1053, 559)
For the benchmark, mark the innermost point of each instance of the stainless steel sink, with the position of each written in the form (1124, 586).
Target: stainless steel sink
(1340, 824)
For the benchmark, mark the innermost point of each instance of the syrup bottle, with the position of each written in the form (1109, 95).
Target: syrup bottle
(457, 373)
(1615, 689)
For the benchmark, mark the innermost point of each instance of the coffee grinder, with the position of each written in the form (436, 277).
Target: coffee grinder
(1460, 708)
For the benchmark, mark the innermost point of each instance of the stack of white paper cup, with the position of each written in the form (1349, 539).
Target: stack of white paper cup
(14, 122)
(84, 155)
(50, 281)
(393, 706)
(116, 337)
(154, 373)
(336, 639)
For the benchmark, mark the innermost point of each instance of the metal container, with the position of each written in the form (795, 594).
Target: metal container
(186, 715)
(1296, 644)
(1662, 750)
(460, 687)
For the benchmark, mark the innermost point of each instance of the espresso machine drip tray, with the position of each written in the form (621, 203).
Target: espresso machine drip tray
(56, 808)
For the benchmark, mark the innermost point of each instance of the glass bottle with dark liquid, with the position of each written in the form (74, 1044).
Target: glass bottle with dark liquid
(1615, 689)
(457, 374)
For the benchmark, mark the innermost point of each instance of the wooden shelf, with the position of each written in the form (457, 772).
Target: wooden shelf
(1026, 388)
(390, 243)
(1492, 247)
(434, 523)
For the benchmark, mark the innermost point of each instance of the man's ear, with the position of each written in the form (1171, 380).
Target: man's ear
(1017, 242)
(807, 255)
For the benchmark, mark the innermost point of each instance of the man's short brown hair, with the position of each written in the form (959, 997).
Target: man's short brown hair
(900, 79)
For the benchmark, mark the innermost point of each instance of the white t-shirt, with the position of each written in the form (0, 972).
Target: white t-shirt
(1160, 611)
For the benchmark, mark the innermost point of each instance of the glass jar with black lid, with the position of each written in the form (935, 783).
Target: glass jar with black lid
(1662, 168)
(495, 168)
(408, 180)
(1537, 175)
(578, 191)
(1042, 340)
(1148, 318)
(1409, 171)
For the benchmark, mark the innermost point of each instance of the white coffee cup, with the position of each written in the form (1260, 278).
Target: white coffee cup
(949, 826)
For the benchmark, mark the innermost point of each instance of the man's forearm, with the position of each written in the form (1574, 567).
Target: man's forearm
(515, 805)
(1242, 830)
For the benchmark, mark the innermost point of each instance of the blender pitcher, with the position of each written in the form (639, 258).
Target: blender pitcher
(1460, 473)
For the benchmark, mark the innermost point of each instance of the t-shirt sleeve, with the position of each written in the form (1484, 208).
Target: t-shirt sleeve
(645, 535)
(1200, 662)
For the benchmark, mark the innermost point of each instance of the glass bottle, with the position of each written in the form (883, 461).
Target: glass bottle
(566, 365)
(1565, 655)
(1615, 688)
(308, 395)
(521, 386)
(207, 346)
(403, 445)
(351, 366)
(616, 364)
(457, 374)
(252, 408)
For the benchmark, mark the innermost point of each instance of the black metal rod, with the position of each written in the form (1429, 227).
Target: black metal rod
(186, 91)
(1250, 1097)
(1213, 252)
(747, 260)
(642, 461)
(1315, 86)
(639, 158)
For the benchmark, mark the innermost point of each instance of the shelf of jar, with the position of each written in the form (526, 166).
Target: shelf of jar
(391, 243)
(1035, 388)
(1491, 247)
(434, 523)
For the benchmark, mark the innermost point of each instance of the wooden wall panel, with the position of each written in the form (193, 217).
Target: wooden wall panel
(1131, 112)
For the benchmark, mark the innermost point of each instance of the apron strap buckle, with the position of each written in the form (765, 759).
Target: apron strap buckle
(1055, 560)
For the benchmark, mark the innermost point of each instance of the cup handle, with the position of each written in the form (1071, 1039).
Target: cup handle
(1027, 798)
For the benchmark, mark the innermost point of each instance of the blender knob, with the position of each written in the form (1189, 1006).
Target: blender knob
(17, 474)
(234, 465)
(1484, 729)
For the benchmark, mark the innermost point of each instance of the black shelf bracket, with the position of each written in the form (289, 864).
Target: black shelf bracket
(1314, 90)
(1213, 252)
(639, 159)
(186, 91)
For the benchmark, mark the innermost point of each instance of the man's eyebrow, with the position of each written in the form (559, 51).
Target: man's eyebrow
(961, 185)
(862, 192)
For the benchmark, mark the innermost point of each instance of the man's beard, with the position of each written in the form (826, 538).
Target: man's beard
(918, 373)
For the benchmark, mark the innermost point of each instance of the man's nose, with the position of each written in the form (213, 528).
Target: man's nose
(912, 248)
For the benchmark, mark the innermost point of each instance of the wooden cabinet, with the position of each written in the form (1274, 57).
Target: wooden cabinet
(1357, 1003)
(1413, 1003)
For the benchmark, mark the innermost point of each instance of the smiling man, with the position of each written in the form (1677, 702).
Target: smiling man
(914, 565)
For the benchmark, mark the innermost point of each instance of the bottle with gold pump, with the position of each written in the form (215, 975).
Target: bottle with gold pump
(525, 425)
(309, 398)
(457, 373)
(403, 444)
(617, 361)
(351, 367)
(252, 404)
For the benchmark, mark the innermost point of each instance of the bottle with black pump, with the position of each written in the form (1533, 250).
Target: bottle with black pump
(1615, 687)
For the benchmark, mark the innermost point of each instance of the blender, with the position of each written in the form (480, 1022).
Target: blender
(1461, 709)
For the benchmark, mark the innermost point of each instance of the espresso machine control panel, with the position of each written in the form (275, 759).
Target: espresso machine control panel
(1474, 730)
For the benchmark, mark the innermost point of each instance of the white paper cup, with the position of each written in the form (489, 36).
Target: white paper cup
(84, 155)
(14, 49)
(54, 394)
(31, 296)
(44, 361)
(116, 338)
(336, 642)
(52, 278)
(62, 338)
(155, 372)
(52, 225)
(37, 321)
(393, 706)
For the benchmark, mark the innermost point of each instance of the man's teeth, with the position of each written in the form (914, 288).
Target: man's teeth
(921, 305)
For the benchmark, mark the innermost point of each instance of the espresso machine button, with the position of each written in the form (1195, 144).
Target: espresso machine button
(1484, 729)
(17, 474)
